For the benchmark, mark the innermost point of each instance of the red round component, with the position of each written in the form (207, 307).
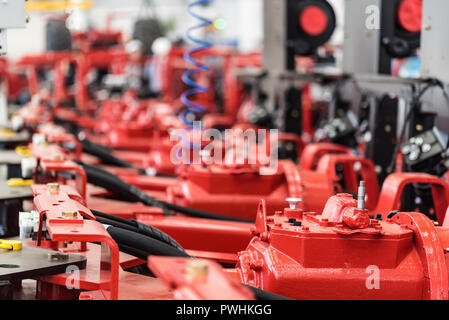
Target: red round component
(410, 15)
(313, 20)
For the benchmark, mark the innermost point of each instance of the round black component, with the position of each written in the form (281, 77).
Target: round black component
(302, 42)
(146, 31)
(58, 37)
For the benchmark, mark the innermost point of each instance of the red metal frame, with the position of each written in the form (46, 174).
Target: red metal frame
(51, 158)
(294, 258)
(393, 189)
(53, 205)
(313, 152)
(210, 282)
(366, 172)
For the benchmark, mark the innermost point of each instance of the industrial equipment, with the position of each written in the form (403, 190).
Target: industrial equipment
(138, 166)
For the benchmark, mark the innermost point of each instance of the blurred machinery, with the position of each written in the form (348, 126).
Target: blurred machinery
(88, 177)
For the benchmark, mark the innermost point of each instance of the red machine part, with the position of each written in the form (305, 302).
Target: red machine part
(204, 238)
(446, 219)
(355, 169)
(410, 15)
(56, 134)
(103, 277)
(394, 185)
(52, 159)
(294, 253)
(34, 114)
(197, 279)
(236, 190)
(64, 222)
(313, 152)
(57, 62)
(89, 60)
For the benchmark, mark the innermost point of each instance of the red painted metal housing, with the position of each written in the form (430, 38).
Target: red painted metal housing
(311, 256)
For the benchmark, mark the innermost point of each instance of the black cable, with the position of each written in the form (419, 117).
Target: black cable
(415, 104)
(127, 244)
(110, 182)
(116, 224)
(141, 254)
(102, 152)
(112, 217)
(202, 214)
(137, 226)
(106, 156)
(144, 243)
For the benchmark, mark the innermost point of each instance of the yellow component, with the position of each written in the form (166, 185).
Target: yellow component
(17, 182)
(58, 5)
(7, 132)
(23, 151)
(14, 245)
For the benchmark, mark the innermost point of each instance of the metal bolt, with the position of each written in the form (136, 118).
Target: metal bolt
(406, 149)
(53, 187)
(56, 157)
(58, 256)
(426, 148)
(361, 196)
(70, 214)
(196, 268)
(293, 202)
(414, 156)
(419, 141)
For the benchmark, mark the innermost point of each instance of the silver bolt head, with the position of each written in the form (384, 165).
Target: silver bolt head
(293, 202)
(426, 148)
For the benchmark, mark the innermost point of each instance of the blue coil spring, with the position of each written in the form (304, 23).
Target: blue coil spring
(193, 108)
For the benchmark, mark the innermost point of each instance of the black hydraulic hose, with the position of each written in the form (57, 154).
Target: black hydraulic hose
(202, 214)
(116, 224)
(265, 295)
(144, 243)
(131, 243)
(106, 156)
(137, 226)
(110, 182)
(120, 188)
(141, 254)
(111, 217)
